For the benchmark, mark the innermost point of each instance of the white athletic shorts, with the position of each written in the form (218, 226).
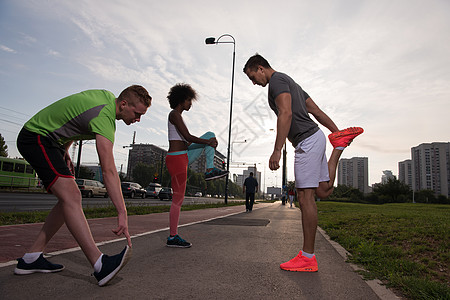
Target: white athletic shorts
(311, 166)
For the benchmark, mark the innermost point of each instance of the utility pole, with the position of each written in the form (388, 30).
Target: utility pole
(77, 171)
(284, 175)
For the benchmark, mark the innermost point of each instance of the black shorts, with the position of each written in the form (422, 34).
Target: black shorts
(44, 155)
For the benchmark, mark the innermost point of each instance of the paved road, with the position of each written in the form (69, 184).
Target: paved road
(235, 257)
(16, 202)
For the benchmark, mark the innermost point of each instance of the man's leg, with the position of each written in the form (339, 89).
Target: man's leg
(53, 223)
(309, 218)
(252, 200)
(340, 140)
(69, 196)
(247, 201)
(305, 261)
(326, 187)
(69, 202)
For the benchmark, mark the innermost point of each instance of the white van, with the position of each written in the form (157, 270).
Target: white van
(90, 188)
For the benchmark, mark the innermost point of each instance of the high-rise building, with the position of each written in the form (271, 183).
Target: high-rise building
(431, 167)
(405, 172)
(387, 174)
(354, 172)
(144, 153)
(239, 179)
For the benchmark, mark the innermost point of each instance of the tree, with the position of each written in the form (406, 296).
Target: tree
(345, 191)
(143, 174)
(425, 196)
(291, 185)
(85, 173)
(166, 179)
(234, 189)
(3, 147)
(392, 189)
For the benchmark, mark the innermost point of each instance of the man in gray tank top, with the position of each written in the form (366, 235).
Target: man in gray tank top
(313, 174)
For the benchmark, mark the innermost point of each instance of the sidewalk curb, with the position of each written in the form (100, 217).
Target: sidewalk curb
(376, 285)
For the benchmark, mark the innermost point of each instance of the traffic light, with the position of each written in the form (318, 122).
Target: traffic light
(224, 165)
(155, 178)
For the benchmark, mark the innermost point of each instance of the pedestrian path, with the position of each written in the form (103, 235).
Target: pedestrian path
(16, 239)
(235, 256)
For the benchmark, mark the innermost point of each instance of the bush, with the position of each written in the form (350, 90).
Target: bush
(425, 196)
(441, 199)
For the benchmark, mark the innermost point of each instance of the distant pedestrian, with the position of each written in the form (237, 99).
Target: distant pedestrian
(184, 149)
(44, 142)
(291, 194)
(313, 175)
(249, 188)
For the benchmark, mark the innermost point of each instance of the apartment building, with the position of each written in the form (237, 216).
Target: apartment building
(354, 172)
(145, 153)
(240, 178)
(431, 167)
(405, 172)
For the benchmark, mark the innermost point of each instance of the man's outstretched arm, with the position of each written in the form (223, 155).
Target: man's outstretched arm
(112, 183)
(320, 116)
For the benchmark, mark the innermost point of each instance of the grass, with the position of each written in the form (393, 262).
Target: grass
(404, 245)
(12, 218)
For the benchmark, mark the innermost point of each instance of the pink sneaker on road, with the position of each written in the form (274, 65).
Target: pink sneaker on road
(301, 263)
(343, 138)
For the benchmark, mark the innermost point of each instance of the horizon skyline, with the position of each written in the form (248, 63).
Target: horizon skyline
(246, 167)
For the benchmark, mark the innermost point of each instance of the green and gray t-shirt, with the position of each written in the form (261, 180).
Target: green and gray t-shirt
(77, 117)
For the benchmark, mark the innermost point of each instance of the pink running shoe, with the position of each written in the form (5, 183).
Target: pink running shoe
(301, 263)
(343, 138)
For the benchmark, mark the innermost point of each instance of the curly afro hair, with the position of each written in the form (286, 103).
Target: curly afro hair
(180, 93)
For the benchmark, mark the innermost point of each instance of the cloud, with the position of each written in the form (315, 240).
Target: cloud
(53, 53)
(26, 39)
(7, 49)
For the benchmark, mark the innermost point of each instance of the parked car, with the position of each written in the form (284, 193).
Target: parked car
(165, 193)
(198, 194)
(132, 189)
(152, 190)
(90, 188)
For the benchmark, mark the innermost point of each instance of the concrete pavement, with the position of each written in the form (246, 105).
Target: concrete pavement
(232, 257)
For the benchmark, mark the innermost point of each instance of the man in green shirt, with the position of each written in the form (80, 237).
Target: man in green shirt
(44, 142)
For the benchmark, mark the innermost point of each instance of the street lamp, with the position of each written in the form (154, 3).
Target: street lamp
(211, 41)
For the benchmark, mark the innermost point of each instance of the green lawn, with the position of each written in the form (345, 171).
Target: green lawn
(404, 245)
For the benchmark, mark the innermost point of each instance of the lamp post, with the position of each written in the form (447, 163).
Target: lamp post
(77, 169)
(284, 175)
(211, 41)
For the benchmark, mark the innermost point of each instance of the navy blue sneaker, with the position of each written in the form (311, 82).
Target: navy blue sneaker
(40, 265)
(112, 265)
(215, 174)
(177, 242)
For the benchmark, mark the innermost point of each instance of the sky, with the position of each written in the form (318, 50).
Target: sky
(383, 65)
